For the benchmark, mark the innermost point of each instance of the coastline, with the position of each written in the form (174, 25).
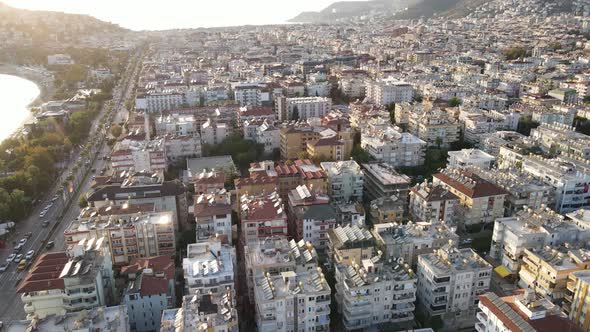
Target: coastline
(40, 78)
(43, 82)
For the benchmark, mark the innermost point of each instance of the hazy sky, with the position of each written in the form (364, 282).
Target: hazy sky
(167, 14)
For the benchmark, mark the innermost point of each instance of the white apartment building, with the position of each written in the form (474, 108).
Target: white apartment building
(556, 114)
(212, 212)
(413, 239)
(80, 279)
(292, 301)
(154, 101)
(391, 146)
(208, 268)
(532, 229)
(470, 157)
(268, 135)
(430, 203)
(251, 94)
(208, 313)
(375, 291)
(302, 108)
(275, 255)
(182, 147)
(311, 216)
(560, 138)
(449, 282)
(213, 132)
(387, 91)
(345, 180)
(176, 124)
(149, 156)
(570, 176)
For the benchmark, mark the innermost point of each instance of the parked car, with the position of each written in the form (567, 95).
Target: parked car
(28, 235)
(42, 213)
(45, 223)
(10, 258)
(30, 254)
(17, 248)
(18, 258)
(50, 245)
(3, 267)
(22, 242)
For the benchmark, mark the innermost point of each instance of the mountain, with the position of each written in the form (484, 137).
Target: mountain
(350, 9)
(428, 8)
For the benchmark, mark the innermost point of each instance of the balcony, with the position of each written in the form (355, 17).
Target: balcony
(479, 327)
(441, 307)
(404, 298)
(443, 280)
(29, 308)
(482, 317)
(402, 318)
(570, 286)
(356, 313)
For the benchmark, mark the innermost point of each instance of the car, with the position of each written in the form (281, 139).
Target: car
(22, 242)
(18, 257)
(10, 258)
(30, 254)
(17, 248)
(54, 198)
(45, 223)
(3, 267)
(49, 205)
(50, 245)
(23, 264)
(42, 214)
(28, 235)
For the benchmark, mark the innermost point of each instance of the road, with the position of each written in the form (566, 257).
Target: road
(65, 208)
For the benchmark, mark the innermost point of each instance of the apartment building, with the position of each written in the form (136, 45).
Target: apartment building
(274, 255)
(449, 283)
(292, 301)
(569, 176)
(179, 148)
(63, 282)
(149, 291)
(130, 232)
(393, 147)
(345, 180)
(251, 94)
(559, 138)
(302, 108)
(208, 182)
(209, 312)
(262, 216)
(523, 189)
(157, 101)
(521, 312)
(214, 132)
(480, 202)
(311, 216)
(470, 157)
(388, 209)
(350, 243)
(430, 203)
(546, 270)
(176, 124)
(530, 229)
(208, 268)
(330, 147)
(382, 180)
(142, 188)
(386, 91)
(436, 127)
(99, 318)
(294, 139)
(575, 303)
(143, 156)
(375, 291)
(413, 239)
(249, 113)
(213, 212)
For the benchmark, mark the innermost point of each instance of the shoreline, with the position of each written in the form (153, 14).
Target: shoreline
(43, 82)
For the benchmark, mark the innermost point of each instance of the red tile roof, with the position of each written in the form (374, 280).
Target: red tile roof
(151, 285)
(44, 275)
(481, 187)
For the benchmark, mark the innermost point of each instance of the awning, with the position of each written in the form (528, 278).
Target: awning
(502, 271)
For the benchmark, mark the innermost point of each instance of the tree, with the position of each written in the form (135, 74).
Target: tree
(514, 53)
(360, 155)
(82, 202)
(391, 108)
(454, 102)
(116, 130)
(295, 113)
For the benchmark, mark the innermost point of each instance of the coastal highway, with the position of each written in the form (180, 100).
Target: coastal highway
(62, 212)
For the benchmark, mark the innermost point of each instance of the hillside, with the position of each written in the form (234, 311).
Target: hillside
(451, 8)
(350, 9)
